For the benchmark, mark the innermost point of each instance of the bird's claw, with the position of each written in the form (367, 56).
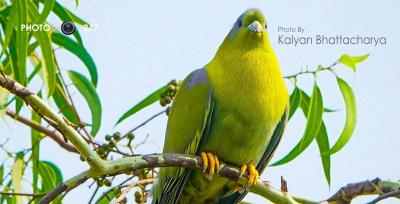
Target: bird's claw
(253, 173)
(210, 163)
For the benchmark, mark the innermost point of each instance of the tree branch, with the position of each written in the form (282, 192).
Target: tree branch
(56, 136)
(53, 118)
(129, 164)
(375, 187)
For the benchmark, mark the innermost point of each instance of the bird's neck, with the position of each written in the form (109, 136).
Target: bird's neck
(249, 81)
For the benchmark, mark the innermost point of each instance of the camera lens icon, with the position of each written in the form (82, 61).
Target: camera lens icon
(68, 28)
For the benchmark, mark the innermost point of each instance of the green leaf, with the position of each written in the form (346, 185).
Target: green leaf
(16, 174)
(352, 61)
(314, 120)
(328, 110)
(48, 6)
(48, 58)
(43, 37)
(348, 61)
(50, 175)
(10, 25)
(351, 116)
(1, 174)
(89, 93)
(16, 71)
(358, 59)
(295, 98)
(79, 51)
(35, 145)
(3, 101)
(323, 145)
(150, 99)
(21, 41)
(66, 15)
(322, 139)
(64, 107)
(108, 196)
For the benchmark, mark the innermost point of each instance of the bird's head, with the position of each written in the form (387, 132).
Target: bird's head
(248, 32)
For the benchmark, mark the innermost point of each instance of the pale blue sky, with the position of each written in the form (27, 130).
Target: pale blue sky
(140, 46)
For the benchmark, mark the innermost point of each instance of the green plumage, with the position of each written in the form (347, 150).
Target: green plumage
(235, 108)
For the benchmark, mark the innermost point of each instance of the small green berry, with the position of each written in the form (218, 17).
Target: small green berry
(108, 137)
(130, 136)
(107, 182)
(100, 182)
(138, 197)
(117, 136)
(174, 82)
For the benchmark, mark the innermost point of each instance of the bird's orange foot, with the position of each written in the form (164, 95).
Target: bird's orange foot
(210, 164)
(253, 173)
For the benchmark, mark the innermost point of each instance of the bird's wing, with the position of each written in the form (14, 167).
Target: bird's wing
(187, 128)
(265, 159)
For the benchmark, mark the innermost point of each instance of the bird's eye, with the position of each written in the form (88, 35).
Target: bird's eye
(266, 26)
(240, 24)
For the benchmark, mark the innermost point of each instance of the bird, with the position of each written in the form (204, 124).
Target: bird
(233, 110)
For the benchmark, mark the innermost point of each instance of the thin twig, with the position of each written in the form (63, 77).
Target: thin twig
(22, 194)
(143, 123)
(94, 194)
(294, 76)
(384, 196)
(90, 137)
(56, 136)
(131, 186)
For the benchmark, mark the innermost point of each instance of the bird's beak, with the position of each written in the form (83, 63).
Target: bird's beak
(255, 27)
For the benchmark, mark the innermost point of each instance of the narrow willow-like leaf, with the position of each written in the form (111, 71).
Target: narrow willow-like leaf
(88, 91)
(150, 99)
(63, 13)
(48, 6)
(60, 98)
(348, 61)
(50, 175)
(16, 174)
(351, 116)
(3, 101)
(32, 47)
(108, 196)
(358, 59)
(1, 174)
(314, 120)
(66, 15)
(22, 40)
(35, 145)
(295, 98)
(10, 25)
(323, 145)
(322, 139)
(43, 37)
(48, 58)
(79, 51)
(16, 72)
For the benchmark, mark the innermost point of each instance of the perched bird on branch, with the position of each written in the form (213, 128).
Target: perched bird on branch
(232, 110)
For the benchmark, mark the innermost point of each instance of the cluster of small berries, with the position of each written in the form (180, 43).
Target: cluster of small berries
(169, 94)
